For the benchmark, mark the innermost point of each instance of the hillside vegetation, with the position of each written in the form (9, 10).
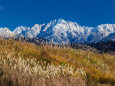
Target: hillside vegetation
(27, 64)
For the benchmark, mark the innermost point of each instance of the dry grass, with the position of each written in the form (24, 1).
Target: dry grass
(26, 64)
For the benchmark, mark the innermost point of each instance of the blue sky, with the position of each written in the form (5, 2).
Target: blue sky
(14, 13)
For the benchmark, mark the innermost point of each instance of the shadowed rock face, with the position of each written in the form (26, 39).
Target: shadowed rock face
(108, 46)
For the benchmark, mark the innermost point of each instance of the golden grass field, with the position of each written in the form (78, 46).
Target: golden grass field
(27, 64)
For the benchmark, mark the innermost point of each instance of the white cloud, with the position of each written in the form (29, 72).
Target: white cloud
(1, 7)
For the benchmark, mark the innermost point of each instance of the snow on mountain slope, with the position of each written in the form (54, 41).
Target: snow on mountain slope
(61, 31)
(111, 37)
(21, 31)
(100, 32)
(5, 32)
(34, 31)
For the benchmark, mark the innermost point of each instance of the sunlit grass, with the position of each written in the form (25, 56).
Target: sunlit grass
(55, 61)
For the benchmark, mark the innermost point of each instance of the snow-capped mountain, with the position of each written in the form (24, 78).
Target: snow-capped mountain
(101, 32)
(61, 31)
(111, 37)
(5, 32)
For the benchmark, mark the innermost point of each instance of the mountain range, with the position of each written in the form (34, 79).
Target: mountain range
(62, 31)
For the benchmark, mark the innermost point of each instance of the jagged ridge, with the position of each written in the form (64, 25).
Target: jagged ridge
(61, 31)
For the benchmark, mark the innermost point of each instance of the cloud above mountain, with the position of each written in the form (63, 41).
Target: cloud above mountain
(1, 7)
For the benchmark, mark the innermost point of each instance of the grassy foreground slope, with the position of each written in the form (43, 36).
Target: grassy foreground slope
(26, 64)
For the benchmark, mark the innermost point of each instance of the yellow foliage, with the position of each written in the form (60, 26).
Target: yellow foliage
(97, 66)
